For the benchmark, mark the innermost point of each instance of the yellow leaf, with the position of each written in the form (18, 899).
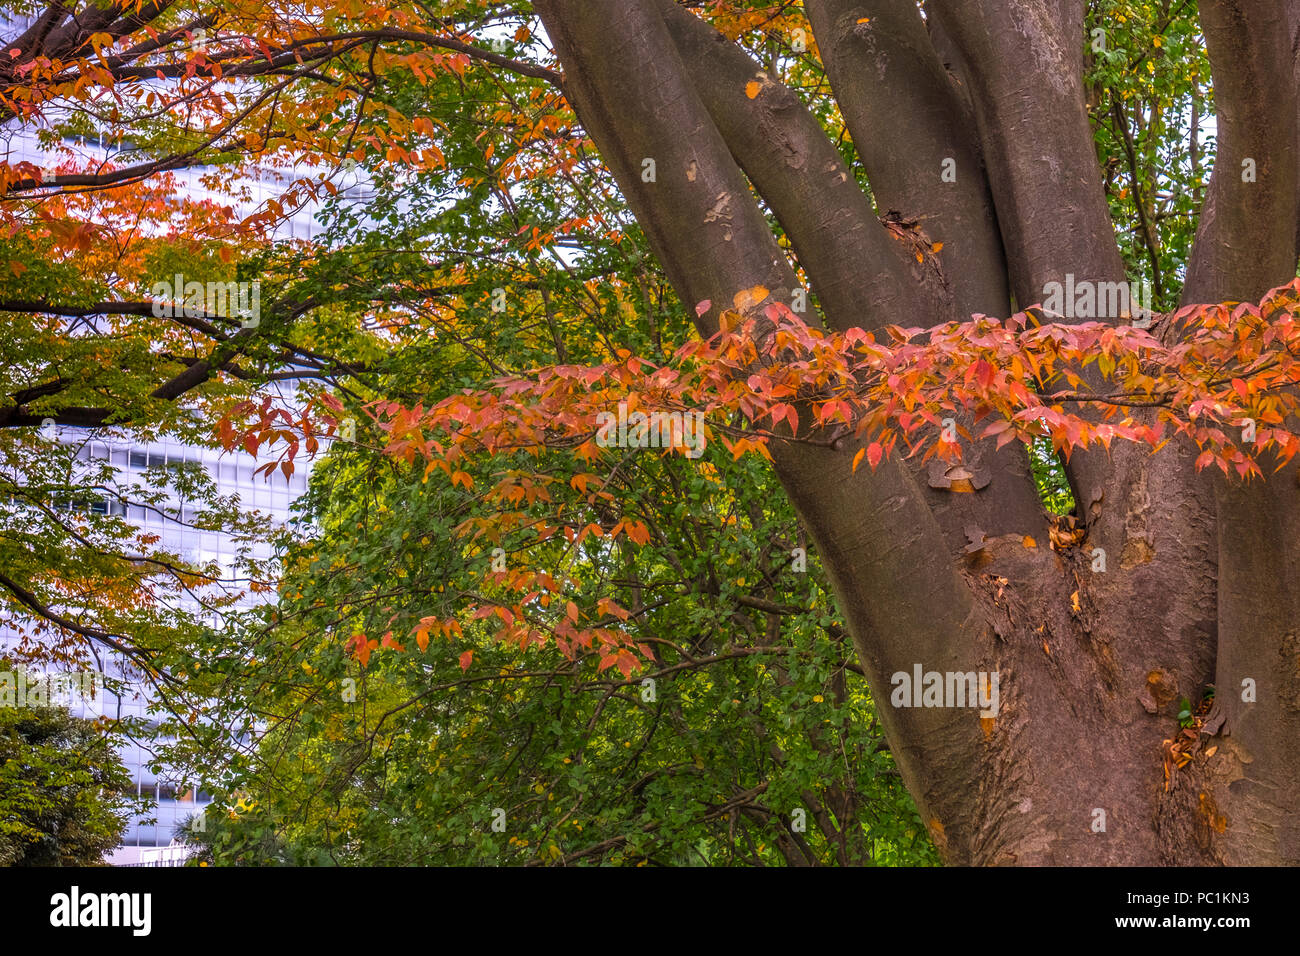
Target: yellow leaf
(1074, 602)
(752, 88)
(1029, 542)
(857, 458)
(1212, 751)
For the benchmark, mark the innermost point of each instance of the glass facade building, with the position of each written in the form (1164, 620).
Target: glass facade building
(173, 799)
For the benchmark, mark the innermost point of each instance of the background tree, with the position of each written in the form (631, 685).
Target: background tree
(64, 793)
(750, 740)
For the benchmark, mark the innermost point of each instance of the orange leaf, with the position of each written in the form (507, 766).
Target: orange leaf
(749, 297)
(361, 648)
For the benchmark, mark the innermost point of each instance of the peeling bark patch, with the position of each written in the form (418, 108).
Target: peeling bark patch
(1137, 543)
(719, 208)
(1210, 810)
(1161, 687)
(939, 837)
(1136, 551)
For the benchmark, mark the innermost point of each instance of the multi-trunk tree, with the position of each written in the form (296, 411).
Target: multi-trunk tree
(1197, 590)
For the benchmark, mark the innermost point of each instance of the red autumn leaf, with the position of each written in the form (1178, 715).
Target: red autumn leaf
(361, 648)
